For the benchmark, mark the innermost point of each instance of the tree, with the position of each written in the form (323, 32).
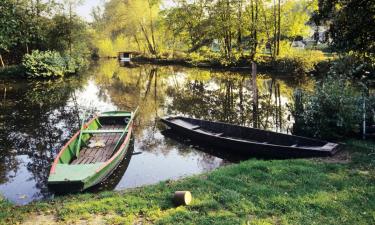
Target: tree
(23, 26)
(352, 24)
(72, 4)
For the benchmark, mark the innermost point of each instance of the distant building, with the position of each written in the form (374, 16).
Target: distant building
(125, 56)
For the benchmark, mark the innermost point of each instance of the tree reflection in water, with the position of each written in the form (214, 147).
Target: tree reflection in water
(37, 118)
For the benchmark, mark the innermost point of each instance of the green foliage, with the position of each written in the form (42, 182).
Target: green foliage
(332, 111)
(8, 25)
(354, 67)
(12, 72)
(50, 64)
(232, 29)
(298, 61)
(352, 25)
(39, 25)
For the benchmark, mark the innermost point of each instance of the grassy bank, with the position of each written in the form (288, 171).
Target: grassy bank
(339, 190)
(296, 62)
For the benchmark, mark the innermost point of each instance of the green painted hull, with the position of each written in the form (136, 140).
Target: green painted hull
(66, 177)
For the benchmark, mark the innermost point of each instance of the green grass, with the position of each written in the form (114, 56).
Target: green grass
(252, 192)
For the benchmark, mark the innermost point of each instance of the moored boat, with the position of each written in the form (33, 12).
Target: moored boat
(249, 141)
(92, 153)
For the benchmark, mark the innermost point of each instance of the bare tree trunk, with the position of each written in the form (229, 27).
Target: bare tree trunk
(70, 29)
(1, 61)
(254, 28)
(279, 29)
(149, 44)
(267, 31)
(239, 35)
(136, 40)
(275, 29)
(255, 95)
(152, 29)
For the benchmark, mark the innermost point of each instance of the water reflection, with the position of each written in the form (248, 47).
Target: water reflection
(37, 118)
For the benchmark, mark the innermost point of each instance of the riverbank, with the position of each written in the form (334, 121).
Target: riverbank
(335, 190)
(314, 62)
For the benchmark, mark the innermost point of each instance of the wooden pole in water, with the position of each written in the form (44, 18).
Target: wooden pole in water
(278, 95)
(255, 94)
(182, 198)
(364, 118)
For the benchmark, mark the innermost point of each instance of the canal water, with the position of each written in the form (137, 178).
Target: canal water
(38, 117)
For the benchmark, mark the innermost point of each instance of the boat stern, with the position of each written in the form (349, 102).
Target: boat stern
(72, 178)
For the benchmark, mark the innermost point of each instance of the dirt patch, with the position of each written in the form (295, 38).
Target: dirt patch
(342, 156)
(36, 219)
(40, 219)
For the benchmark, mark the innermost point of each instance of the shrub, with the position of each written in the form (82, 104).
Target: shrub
(15, 71)
(332, 111)
(299, 61)
(46, 64)
(354, 67)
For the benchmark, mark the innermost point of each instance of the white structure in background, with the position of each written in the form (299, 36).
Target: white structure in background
(124, 56)
(317, 37)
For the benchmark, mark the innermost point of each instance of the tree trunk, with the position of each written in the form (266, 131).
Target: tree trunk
(239, 35)
(255, 95)
(152, 30)
(275, 29)
(279, 29)
(149, 44)
(70, 29)
(136, 40)
(1, 61)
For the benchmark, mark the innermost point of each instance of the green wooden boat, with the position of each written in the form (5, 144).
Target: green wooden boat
(92, 153)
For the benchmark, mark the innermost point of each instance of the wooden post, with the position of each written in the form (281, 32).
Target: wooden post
(5, 93)
(364, 117)
(255, 95)
(182, 198)
(280, 115)
(1, 61)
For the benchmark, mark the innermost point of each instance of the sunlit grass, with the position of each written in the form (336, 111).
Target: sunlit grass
(252, 192)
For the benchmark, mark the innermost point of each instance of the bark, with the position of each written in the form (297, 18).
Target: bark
(136, 40)
(255, 95)
(182, 198)
(275, 29)
(149, 44)
(254, 28)
(152, 29)
(70, 29)
(1, 61)
(279, 29)
(267, 31)
(239, 35)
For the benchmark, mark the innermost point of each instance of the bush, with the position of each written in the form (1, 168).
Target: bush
(46, 64)
(332, 111)
(15, 71)
(354, 67)
(299, 61)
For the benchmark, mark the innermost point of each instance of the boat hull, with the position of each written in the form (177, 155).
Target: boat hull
(65, 176)
(250, 148)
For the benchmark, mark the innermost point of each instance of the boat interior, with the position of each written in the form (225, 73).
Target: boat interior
(100, 140)
(244, 133)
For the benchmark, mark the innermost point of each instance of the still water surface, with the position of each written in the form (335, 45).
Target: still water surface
(38, 117)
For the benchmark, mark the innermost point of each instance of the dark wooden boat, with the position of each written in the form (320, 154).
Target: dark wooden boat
(249, 141)
(92, 153)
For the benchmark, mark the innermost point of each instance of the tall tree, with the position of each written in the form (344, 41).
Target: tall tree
(352, 24)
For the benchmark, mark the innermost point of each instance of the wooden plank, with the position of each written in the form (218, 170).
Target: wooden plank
(102, 131)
